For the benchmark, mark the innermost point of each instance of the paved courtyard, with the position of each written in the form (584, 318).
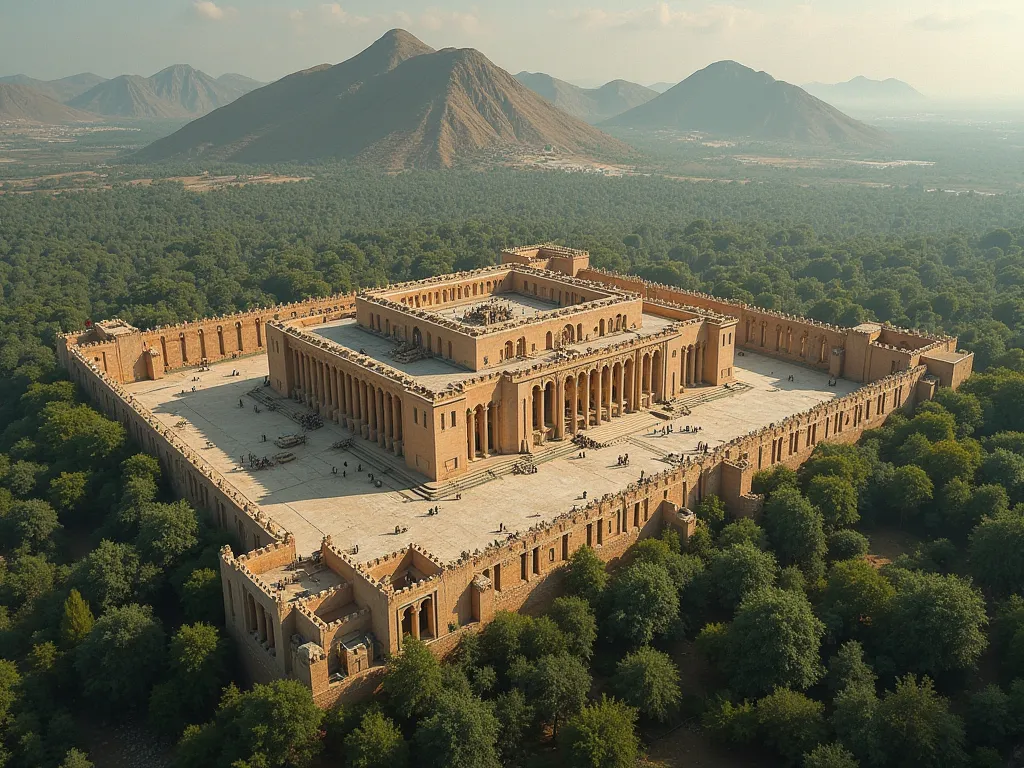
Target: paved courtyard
(306, 498)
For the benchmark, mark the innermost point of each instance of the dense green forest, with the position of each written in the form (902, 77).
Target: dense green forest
(109, 596)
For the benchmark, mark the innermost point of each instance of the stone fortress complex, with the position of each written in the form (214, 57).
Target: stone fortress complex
(452, 441)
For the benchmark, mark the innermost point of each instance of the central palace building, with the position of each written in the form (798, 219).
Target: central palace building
(444, 446)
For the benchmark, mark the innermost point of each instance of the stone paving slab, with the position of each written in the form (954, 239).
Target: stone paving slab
(305, 497)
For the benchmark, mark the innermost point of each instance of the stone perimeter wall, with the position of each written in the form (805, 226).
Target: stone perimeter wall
(142, 355)
(522, 573)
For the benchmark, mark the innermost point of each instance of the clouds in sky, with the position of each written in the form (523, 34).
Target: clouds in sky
(953, 46)
(210, 11)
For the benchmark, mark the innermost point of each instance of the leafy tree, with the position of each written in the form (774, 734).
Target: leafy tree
(167, 532)
(31, 524)
(642, 604)
(201, 597)
(197, 669)
(273, 725)
(740, 531)
(773, 642)
(950, 459)
(76, 759)
(1006, 469)
(376, 743)
(934, 623)
(111, 575)
(601, 735)
(836, 499)
(915, 727)
(648, 681)
(790, 723)
(68, 491)
(711, 512)
(856, 595)
(412, 681)
(542, 637)
(576, 620)
(514, 716)
(501, 640)
(768, 481)
(847, 544)
(585, 575)
(832, 755)
(847, 668)
(740, 570)
(557, 687)
(121, 657)
(460, 733)
(795, 529)
(77, 621)
(996, 554)
(990, 718)
(9, 680)
(909, 490)
(965, 407)
(853, 720)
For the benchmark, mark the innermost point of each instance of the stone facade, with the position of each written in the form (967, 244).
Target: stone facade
(329, 619)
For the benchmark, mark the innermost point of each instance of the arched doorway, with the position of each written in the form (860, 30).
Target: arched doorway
(417, 337)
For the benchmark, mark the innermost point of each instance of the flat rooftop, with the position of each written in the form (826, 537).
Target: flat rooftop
(307, 499)
(520, 307)
(437, 374)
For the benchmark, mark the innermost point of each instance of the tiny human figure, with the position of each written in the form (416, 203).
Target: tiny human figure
(584, 495)
(641, 474)
(344, 473)
(359, 468)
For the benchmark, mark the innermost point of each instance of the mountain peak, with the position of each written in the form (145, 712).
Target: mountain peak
(727, 98)
(396, 104)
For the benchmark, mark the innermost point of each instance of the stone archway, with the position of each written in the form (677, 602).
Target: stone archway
(417, 337)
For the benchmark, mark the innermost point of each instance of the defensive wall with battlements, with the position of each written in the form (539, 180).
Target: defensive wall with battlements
(330, 617)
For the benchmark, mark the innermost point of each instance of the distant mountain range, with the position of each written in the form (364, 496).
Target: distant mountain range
(660, 87)
(729, 99)
(20, 102)
(397, 104)
(863, 92)
(590, 104)
(62, 90)
(175, 92)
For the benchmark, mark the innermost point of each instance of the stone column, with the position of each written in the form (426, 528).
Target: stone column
(699, 373)
(485, 415)
(619, 397)
(416, 621)
(350, 394)
(371, 400)
(381, 420)
(560, 407)
(362, 401)
(599, 394)
(543, 413)
(574, 411)
(389, 415)
(471, 426)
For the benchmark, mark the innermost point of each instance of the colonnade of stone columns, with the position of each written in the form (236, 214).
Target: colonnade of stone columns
(691, 364)
(481, 422)
(359, 405)
(412, 613)
(594, 396)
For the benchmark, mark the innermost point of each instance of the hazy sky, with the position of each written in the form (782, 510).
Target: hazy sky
(957, 49)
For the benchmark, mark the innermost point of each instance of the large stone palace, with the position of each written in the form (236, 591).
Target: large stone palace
(410, 459)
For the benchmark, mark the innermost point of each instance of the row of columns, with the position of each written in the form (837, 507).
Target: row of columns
(691, 366)
(598, 395)
(365, 409)
(424, 607)
(482, 423)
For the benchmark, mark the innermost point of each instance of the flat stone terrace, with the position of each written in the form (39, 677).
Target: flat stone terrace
(436, 374)
(306, 498)
(521, 306)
